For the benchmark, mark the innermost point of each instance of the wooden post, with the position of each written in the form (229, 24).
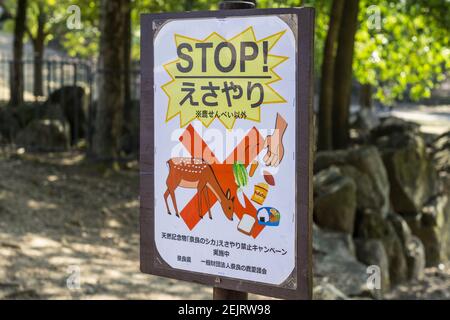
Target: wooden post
(225, 294)
(219, 293)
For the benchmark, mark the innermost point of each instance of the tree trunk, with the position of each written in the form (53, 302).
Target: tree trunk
(110, 106)
(127, 55)
(343, 74)
(38, 51)
(224, 294)
(127, 61)
(127, 78)
(325, 123)
(17, 86)
(365, 98)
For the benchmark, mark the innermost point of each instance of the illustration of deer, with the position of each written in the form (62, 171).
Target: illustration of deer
(194, 173)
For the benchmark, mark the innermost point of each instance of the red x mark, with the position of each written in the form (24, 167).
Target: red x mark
(245, 152)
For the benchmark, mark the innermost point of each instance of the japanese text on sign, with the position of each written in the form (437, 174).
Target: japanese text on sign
(227, 79)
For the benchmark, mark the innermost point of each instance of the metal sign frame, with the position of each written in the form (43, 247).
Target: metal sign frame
(304, 156)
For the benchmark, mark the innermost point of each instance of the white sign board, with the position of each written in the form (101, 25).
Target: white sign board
(224, 164)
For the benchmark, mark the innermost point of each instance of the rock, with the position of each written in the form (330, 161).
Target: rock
(412, 177)
(445, 180)
(432, 227)
(365, 166)
(9, 125)
(442, 160)
(335, 200)
(392, 125)
(368, 160)
(370, 225)
(325, 159)
(367, 120)
(364, 187)
(415, 258)
(434, 212)
(441, 152)
(25, 113)
(327, 242)
(372, 252)
(401, 228)
(398, 268)
(326, 291)
(44, 135)
(442, 142)
(334, 258)
(412, 247)
(430, 237)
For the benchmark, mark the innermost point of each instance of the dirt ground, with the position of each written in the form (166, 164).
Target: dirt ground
(434, 286)
(58, 214)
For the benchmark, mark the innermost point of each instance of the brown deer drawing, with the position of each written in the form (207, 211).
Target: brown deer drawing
(194, 173)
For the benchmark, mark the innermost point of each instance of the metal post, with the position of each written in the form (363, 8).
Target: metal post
(219, 293)
(237, 4)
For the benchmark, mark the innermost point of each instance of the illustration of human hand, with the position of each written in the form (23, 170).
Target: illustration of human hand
(274, 143)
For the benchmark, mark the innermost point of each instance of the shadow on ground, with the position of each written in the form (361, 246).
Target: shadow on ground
(56, 213)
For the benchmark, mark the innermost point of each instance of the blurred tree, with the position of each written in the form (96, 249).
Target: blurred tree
(156, 6)
(49, 20)
(45, 21)
(365, 96)
(112, 66)
(127, 57)
(278, 3)
(83, 42)
(38, 30)
(325, 141)
(400, 48)
(4, 12)
(19, 16)
(343, 73)
(403, 51)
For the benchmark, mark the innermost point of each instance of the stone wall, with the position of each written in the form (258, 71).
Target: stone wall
(387, 201)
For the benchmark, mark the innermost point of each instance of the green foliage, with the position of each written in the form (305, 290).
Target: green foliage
(45, 10)
(83, 43)
(278, 3)
(157, 6)
(322, 8)
(408, 52)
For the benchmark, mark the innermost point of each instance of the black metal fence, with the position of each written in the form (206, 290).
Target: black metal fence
(55, 74)
(68, 92)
